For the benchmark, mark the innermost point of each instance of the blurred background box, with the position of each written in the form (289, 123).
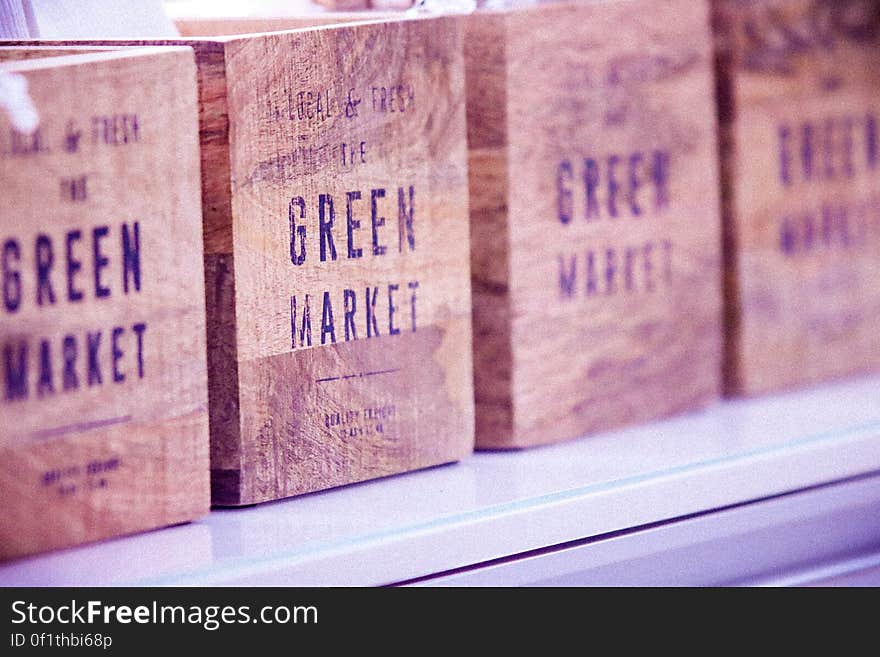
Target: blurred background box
(104, 425)
(799, 101)
(595, 224)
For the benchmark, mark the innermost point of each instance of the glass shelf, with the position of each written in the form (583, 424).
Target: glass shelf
(503, 505)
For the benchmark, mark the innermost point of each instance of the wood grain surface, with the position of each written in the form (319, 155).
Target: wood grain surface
(104, 425)
(364, 127)
(595, 217)
(799, 101)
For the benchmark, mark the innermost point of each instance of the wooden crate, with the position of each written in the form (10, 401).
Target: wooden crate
(103, 408)
(336, 255)
(799, 99)
(340, 353)
(595, 223)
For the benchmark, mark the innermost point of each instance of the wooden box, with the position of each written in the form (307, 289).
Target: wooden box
(334, 182)
(337, 267)
(799, 102)
(595, 219)
(103, 407)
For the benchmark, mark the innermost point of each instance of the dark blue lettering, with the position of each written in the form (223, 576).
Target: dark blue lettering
(11, 277)
(635, 161)
(376, 220)
(297, 258)
(351, 223)
(68, 351)
(16, 371)
(305, 332)
(660, 173)
(45, 260)
(139, 330)
(327, 321)
(101, 261)
(592, 279)
(350, 307)
(118, 376)
(45, 386)
(563, 192)
(807, 150)
(567, 276)
(326, 217)
(392, 330)
(405, 224)
(849, 168)
(93, 341)
(787, 237)
(413, 286)
(131, 256)
(73, 266)
(807, 237)
(628, 258)
(372, 324)
(591, 184)
(610, 270)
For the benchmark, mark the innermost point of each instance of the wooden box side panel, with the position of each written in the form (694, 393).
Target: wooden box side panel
(802, 172)
(486, 82)
(368, 119)
(725, 97)
(486, 51)
(493, 364)
(214, 140)
(104, 406)
(219, 266)
(615, 265)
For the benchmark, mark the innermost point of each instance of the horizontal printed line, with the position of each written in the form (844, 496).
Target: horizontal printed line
(79, 427)
(356, 376)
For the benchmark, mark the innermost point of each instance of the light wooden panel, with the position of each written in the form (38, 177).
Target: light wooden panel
(104, 427)
(594, 187)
